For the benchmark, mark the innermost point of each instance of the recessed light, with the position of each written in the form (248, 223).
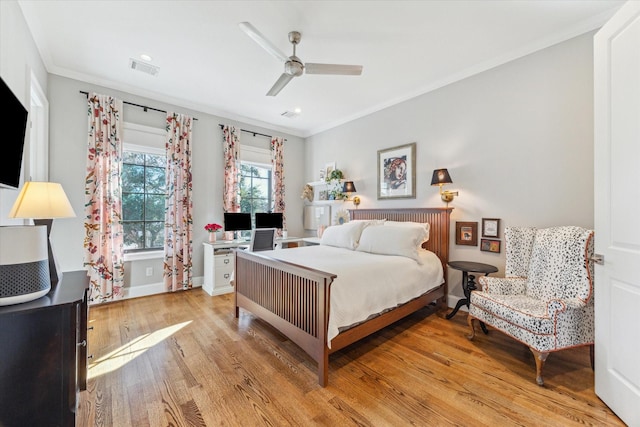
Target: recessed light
(146, 57)
(297, 110)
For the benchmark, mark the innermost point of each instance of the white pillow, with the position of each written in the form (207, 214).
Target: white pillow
(424, 225)
(343, 236)
(369, 222)
(393, 240)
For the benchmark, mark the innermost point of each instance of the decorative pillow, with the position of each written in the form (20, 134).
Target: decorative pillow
(343, 236)
(393, 240)
(424, 225)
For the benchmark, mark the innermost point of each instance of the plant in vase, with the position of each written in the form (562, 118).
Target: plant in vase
(334, 185)
(212, 228)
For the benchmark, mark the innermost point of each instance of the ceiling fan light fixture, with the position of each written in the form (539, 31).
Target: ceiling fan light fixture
(293, 66)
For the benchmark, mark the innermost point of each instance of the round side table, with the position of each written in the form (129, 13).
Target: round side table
(469, 280)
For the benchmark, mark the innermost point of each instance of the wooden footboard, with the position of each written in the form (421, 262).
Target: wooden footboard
(292, 298)
(295, 299)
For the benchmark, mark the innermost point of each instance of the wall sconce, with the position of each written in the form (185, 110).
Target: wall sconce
(441, 177)
(349, 187)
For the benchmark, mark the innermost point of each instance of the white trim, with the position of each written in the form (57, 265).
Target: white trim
(153, 289)
(143, 128)
(143, 149)
(138, 256)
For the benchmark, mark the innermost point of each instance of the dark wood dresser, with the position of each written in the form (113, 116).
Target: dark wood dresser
(43, 355)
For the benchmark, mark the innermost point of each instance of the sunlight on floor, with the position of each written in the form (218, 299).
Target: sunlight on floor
(125, 354)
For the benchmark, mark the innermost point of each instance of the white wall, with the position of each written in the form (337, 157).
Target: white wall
(19, 57)
(517, 140)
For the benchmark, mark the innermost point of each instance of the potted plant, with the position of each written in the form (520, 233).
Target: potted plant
(334, 184)
(212, 228)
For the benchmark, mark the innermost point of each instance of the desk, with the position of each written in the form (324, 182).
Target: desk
(468, 281)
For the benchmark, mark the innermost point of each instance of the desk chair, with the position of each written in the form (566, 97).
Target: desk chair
(262, 239)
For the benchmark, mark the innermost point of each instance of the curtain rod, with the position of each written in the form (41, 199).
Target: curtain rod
(144, 107)
(250, 131)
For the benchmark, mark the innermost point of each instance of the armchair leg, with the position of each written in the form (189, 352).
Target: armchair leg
(540, 359)
(470, 320)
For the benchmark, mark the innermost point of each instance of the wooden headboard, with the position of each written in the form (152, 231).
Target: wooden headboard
(438, 219)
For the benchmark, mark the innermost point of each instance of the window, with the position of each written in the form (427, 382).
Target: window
(255, 188)
(143, 198)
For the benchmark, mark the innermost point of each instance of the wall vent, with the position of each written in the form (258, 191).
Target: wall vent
(289, 114)
(144, 67)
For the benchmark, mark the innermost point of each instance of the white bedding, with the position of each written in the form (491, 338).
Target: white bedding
(367, 283)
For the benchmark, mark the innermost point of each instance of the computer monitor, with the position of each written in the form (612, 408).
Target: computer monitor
(237, 221)
(268, 220)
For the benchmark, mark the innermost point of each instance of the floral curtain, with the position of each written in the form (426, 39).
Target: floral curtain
(103, 242)
(178, 228)
(231, 160)
(277, 161)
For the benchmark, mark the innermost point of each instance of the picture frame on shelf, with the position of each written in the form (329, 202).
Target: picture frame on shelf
(397, 172)
(489, 245)
(466, 233)
(323, 171)
(328, 168)
(490, 227)
(323, 195)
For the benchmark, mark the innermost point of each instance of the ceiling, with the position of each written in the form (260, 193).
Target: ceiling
(208, 64)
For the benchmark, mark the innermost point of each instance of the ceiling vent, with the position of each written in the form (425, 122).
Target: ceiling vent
(144, 67)
(289, 114)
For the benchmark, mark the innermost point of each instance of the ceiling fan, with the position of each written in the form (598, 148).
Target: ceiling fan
(293, 66)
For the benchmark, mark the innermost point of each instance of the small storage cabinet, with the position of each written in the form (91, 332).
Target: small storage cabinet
(218, 267)
(43, 362)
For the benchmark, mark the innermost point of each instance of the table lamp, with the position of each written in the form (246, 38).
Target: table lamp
(43, 201)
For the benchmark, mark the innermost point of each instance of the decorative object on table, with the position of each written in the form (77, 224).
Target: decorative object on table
(441, 177)
(466, 233)
(212, 229)
(490, 227)
(307, 193)
(397, 172)
(489, 245)
(341, 217)
(348, 188)
(321, 229)
(24, 264)
(42, 202)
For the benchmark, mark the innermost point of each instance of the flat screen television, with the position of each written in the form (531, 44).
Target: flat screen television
(237, 221)
(269, 220)
(14, 118)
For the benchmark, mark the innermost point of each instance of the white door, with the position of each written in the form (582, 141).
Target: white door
(617, 208)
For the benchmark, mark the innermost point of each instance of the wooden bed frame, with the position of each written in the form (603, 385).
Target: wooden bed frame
(295, 299)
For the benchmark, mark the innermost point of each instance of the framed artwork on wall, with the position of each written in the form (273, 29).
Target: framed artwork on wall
(490, 227)
(397, 172)
(489, 245)
(466, 233)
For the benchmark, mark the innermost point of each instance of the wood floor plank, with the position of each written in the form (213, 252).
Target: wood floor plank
(183, 359)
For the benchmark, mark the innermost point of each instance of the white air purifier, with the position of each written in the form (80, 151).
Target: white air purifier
(24, 264)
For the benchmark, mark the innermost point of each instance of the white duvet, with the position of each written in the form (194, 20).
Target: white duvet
(367, 283)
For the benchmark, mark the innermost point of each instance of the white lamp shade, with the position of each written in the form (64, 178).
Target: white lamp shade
(42, 200)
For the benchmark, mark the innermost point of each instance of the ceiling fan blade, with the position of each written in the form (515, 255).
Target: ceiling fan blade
(350, 70)
(262, 41)
(280, 84)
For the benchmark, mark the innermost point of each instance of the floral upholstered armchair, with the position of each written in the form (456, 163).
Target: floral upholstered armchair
(546, 299)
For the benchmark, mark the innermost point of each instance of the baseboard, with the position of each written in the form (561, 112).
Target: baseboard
(154, 289)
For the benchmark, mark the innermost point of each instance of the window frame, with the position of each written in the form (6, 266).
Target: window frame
(151, 142)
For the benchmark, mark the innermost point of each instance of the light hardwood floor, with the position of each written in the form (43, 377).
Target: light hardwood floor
(182, 359)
